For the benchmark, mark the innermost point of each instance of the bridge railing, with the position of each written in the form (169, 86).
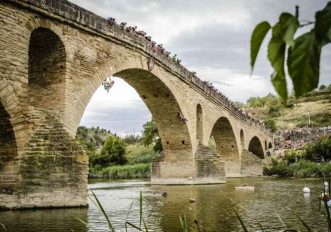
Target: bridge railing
(120, 32)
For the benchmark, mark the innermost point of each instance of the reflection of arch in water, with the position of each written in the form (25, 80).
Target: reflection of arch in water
(199, 124)
(255, 147)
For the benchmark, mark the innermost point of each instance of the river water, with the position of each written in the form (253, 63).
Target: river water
(272, 199)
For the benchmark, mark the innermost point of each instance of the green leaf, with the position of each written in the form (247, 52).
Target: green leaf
(257, 38)
(289, 25)
(279, 83)
(323, 25)
(276, 55)
(303, 63)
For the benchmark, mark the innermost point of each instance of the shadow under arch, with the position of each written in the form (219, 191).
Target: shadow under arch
(8, 150)
(226, 145)
(255, 147)
(47, 67)
(242, 138)
(199, 124)
(270, 145)
(225, 139)
(165, 110)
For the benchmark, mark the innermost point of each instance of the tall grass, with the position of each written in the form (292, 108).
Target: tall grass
(300, 169)
(141, 170)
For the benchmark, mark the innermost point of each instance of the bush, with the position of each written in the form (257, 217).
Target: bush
(122, 172)
(113, 152)
(320, 151)
(293, 156)
(301, 169)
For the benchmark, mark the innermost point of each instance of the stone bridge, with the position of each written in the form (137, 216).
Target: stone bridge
(54, 55)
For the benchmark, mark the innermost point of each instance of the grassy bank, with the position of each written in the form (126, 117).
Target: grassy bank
(141, 170)
(300, 169)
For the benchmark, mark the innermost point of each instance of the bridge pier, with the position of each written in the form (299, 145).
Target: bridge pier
(52, 171)
(207, 167)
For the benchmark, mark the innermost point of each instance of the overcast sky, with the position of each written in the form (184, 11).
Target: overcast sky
(211, 37)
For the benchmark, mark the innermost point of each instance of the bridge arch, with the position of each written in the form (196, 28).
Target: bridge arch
(199, 124)
(47, 68)
(225, 139)
(255, 146)
(161, 102)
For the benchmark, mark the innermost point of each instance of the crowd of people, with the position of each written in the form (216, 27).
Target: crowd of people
(298, 138)
(158, 50)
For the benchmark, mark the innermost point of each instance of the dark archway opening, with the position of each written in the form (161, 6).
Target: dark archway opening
(8, 147)
(160, 102)
(270, 145)
(242, 138)
(199, 124)
(46, 70)
(225, 139)
(256, 148)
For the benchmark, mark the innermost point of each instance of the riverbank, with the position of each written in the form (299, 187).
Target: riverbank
(300, 169)
(134, 171)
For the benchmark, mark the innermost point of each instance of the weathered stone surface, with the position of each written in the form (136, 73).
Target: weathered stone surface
(54, 55)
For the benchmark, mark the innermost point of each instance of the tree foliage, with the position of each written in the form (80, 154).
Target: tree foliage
(112, 152)
(151, 136)
(303, 52)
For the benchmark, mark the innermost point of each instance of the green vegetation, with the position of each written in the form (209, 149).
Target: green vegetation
(312, 161)
(119, 158)
(140, 170)
(294, 114)
(151, 136)
(303, 53)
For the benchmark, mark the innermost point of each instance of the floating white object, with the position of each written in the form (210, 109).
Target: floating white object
(306, 190)
(245, 188)
(306, 195)
(192, 200)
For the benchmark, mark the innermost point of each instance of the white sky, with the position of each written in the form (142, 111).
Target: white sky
(211, 37)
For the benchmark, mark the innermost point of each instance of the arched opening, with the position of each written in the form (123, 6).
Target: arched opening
(166, 115)
(256, 148)
(8, 148)
(225, 139)
(46, 70)
(199, 124)
(242, 139)
(270, 145)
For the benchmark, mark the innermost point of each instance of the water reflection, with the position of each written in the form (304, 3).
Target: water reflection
(44, 220)
(212, 207)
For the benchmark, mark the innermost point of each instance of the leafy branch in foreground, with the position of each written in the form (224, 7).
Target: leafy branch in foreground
(303, 53)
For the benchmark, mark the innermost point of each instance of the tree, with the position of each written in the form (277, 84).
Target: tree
(112, 152)
(151, 136)
(303, 52)
(322, 88)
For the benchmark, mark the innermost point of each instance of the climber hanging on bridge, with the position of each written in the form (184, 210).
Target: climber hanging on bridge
(108, 83)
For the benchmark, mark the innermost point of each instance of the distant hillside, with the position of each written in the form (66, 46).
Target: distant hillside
(315, 106)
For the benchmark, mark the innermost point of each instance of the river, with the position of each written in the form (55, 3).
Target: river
(272, 198)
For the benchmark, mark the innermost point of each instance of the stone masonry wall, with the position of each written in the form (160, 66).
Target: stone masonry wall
(53, 171)
(251, 165)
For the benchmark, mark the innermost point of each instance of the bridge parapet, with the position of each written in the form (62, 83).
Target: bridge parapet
(75, 15)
